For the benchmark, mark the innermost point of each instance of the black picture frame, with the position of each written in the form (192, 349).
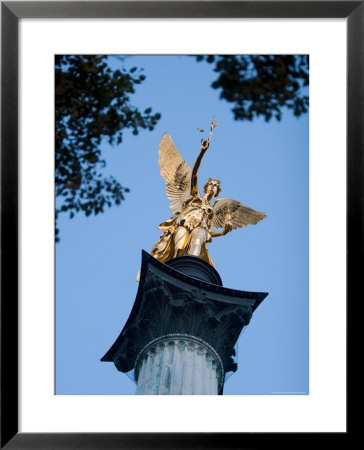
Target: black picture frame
(11, 12)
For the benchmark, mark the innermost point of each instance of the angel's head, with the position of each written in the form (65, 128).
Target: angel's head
(212, 187)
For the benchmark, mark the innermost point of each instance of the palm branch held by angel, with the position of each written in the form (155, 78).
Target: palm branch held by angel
(189, 231)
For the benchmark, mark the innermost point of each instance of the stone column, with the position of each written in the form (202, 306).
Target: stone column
(179, 338)
(178, 364)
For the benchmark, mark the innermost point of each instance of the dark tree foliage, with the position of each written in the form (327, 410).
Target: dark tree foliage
(92, 104)
(261, 85)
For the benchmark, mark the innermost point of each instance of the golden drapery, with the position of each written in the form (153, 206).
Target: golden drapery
(186, 229)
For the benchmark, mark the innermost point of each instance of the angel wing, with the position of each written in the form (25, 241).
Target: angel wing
(176, 173)
(239, 215)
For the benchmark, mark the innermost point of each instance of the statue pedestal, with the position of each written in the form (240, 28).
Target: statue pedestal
(180, 335)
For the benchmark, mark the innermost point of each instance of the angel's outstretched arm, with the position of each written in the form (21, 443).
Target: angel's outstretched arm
(227, 228)
(194, 178)
(204, 146)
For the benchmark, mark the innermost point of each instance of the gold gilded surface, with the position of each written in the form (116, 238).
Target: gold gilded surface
(189, 230)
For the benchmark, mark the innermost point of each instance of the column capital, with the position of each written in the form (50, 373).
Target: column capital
(171, 302)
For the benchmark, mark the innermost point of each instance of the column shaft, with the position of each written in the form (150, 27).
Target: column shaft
(178, 366)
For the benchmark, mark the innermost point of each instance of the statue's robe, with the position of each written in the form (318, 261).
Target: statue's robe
(184, 229)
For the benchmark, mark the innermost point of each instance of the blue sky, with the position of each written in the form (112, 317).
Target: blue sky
(263, 165)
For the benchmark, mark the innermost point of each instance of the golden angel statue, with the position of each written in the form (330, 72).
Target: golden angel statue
(189, 231)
